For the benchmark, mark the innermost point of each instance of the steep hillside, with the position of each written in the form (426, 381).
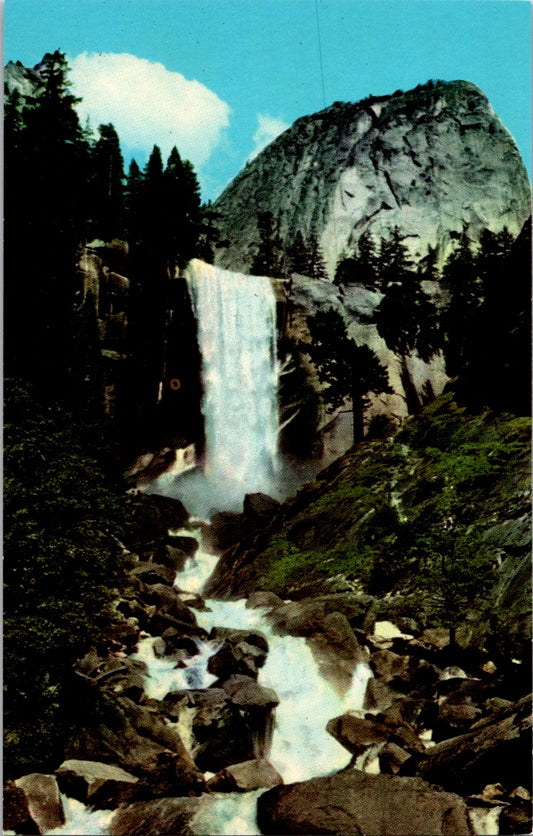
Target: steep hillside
(440, 514)
(432, 161)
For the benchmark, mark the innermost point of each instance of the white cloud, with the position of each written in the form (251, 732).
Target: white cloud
(149, 105)
(268, 128)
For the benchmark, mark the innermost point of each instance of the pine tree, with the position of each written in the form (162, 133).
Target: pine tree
(182, 216)
(298, 257)
(107, 185)
(461, 282)
(405, 318)
(267, 259)
(362, 266)
(45, 208)
(317, 267)
(346, 369)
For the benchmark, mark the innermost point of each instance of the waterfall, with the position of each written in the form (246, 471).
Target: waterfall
(236, 319)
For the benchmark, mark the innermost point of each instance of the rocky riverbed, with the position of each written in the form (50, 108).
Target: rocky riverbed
(369, 728)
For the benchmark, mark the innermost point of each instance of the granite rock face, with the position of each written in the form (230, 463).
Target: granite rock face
(432, 161)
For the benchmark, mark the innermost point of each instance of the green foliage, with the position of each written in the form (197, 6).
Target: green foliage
(346, 370)
(405, 318)
(454, 572)
(62, 567)
(267, 260)
(409, 515)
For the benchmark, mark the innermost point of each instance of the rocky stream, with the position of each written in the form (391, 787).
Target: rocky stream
(269, 716)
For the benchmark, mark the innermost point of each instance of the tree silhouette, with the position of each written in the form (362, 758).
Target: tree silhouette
(461, 282)
(405, 318)
(346, 369)
(267, 259)
(362, 266)
(47, 164)
(107, 185)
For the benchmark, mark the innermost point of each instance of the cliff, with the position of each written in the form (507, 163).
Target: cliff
(431, 161)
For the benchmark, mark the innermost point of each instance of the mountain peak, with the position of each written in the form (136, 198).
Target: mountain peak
(432, 161)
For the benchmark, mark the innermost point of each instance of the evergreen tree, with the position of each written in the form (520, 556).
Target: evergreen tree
(393, 262)
(132, 203)
(209, 234)
(346, 369)
(496, 369)
(362, 266)
(267, 259)
(298, 258)
(317, 267)
(45, 209)
(428, 266)
(107, 185)
(405, 318)
(183, 210)
(461, 282)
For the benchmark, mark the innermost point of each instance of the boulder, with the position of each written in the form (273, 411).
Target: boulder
(359, 734)
(352, 802)
(179, 542)
(160, 623)
(171, 556)
(152, 818)
(497, 748)
(517, 816)
(391, 757)
(221, 733)
(247, 693)
(235, 636)
(227, 529)
(43, 799)
(379, 696)
(260, 508)
(125, 677)
(139, 741)
(16, 811)
(151, 517)
(336, 650)
(402, 673)
(233, 659)
(99, 785)
(454, 718)
(176, 641)
(153, 573)
(168, 602)
(263, 600)
(306, 617)
(245, 777)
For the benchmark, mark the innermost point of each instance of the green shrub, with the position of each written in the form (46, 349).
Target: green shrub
(62, 567)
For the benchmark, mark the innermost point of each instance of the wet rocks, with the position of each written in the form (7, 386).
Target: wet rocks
(353, 802)
(43, 801)
(241, 652)
(263, 600)
(100, 785)
(495, 748)
(306, 617)
(138, 740)
(245, 777)
(151, 818)
(221, 738)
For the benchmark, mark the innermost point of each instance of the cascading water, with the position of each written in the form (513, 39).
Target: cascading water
(300, 748)
(236, 318)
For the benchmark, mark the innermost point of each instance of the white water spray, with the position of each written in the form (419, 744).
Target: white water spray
(236, 316)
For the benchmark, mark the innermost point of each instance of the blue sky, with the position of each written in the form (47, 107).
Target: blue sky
(220, 78)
